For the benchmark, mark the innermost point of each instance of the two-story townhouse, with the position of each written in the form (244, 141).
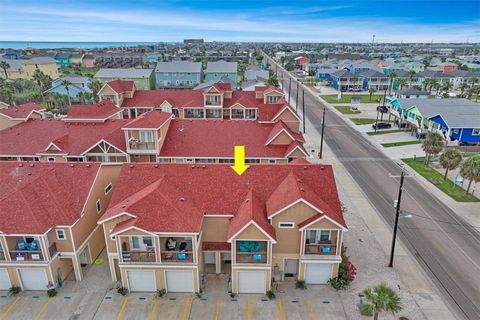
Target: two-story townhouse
(218, 69)
(344, 80)
(10, 116)
(25, 68)
(169, 226)
(373, 79)
(78, 85)
(178, 74)
(48, 221)
(144, 78)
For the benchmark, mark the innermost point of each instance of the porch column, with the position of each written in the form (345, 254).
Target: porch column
(218, 262)
(449, 132)
(77, 268)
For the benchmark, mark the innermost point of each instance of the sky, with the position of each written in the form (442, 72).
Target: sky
(258, 20)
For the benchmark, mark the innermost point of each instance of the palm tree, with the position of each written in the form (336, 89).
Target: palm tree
(354, 80)
(382, 298)
(371, 91)
(450, 159)
(447, 86)
(470, 169)
(473, 81)
(433, 84)
(392, 75)
(7, 90)
(66, 84)
(411, 74)
(4, 65)
(463, 87)
(95, 86)
(401, 83)
(432, 145)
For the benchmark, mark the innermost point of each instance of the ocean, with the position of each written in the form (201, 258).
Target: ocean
(62, 45)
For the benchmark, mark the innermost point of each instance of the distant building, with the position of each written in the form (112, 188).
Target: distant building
(88, 61)
(12, 55)
(76, 59)
(25, 68)
(412, 93)
(144, 79)
(178, 74)
(10, 116)
(193, 42)
(63, 59)
(79, 84)
(216, 70)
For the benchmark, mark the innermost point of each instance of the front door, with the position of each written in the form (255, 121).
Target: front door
(291, 268)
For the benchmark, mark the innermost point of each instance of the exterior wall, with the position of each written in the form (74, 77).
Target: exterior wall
(211, 76)
(7, 123)
(281, 139)
(215, 229)
(290, 120)
(62, 245)
(62, 265)
(14, 276)
(109, 225)
(50, 69)
(184, 79)
(301, 270)
(57, 158)
(96, 243)
(235, 271)
(160, 275)
(251, 233)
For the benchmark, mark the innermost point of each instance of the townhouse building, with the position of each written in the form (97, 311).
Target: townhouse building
(25, 68)
(143, 78)
(13, 115)
(178, 74)
(168, 225)
(373, 79)
(216, 70)
(48, 221)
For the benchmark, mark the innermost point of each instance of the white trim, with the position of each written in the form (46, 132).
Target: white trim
(281, 111)
(324, 217)
(97, 143)
(51, 144)
(297, 147)
(130, 228)
(246, 226)
(116, 216)
(279, 132)
(219, 215)
(110, 185)
(292, 204)
(63, 232)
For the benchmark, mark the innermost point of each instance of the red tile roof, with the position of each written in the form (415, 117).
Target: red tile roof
(220, 86)
(149, 120)
(34, 135)
(37, 197)
(121, 86)
(21, 111)
(268, 88)
(216, 138)
(172, 197)
(216, 246)
(101, 110)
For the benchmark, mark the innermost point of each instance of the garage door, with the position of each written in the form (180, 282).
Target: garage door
(4, 280)
(179, 281)
(251, 282)
(33, 279)
(141, 281)
(318, 273)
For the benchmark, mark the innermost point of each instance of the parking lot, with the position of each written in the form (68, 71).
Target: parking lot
(290, 303)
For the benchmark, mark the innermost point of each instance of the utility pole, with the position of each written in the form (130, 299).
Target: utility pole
(376, 123)
(289, 89)
(323, 129)
(303, 109)
(397, 214)
(296, 100)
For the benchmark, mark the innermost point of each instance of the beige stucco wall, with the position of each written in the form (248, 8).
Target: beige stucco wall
(251, 233)
(64, 264)
(281, 139)
(62, 245)
(109, 225)
(290, 120)
(96, 242)
(215, 229)
(6, 122)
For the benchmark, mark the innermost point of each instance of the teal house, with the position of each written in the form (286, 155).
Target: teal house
(63, 59)
(217, 70)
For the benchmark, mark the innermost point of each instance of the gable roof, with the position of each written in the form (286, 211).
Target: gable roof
(149, 120)
(35, 197)
(121, 86)
(133, 73)
(22, 111)
(221, 66)
(102, 110)
(179, 66)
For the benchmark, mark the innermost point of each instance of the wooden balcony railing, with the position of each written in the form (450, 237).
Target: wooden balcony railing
(251, 257)
(24, 255)
(142, 145)
(138, 256)
(320, 249)
(177, 256)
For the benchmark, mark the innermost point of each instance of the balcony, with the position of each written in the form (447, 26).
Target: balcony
(134, 145)
(251, 252)
(176, 249)
(177, 256)
(26, 255)
(321, 242)
(320, 249)
(251, 257)
(139, 256)
(2, 256)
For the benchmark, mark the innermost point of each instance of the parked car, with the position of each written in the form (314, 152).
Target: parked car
(354, 89)
(382, 109)
(381, 125)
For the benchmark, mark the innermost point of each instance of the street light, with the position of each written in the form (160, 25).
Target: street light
(397, 214)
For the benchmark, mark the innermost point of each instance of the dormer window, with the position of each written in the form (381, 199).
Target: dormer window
(146, 136)
(272, 99)
(213, 100)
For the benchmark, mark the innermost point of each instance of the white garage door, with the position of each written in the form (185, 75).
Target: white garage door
(251, 282)
(318, 273)
(141, 281)
(33, 279)
(179, 281)
(4, 280)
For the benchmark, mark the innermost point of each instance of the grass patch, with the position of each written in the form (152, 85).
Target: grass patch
(347, 110)
(360, 121)
(436, 178)
(86, 72)
(399, 144)
(373, 133)
(346, 98)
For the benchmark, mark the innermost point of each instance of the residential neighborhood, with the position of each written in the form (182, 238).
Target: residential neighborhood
(251, 160)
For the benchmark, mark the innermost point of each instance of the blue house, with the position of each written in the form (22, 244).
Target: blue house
(178, 74)
(79, 84)
(325, 74)
(218, 69)
(63, 59)
(461, 124)
(344, 80)
(12, 55)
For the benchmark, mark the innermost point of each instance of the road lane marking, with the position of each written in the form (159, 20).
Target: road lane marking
(185, 309)
(310, 308)
(280, 309)
(9, 309)
(155, 305)
(40, 313)
(217, 310)
(120, 312)
(249, 309)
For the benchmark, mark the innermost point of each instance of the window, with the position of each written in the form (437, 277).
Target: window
(286, 225)
(146, 136)
(324, 235)
(476, 132)
(135, 243)
(108, 188)
(99, 206)
(50, 159)
(148, 241)
(318, 236)
(213, 113)
(456, 131)
(194, 113)
(251, 114)
(272, 99)
(60, 234)
(252, 160)
(272, 161)
(238, 113)
(226, 161)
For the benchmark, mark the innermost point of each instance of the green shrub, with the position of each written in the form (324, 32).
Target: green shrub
(365, 309)
(122, 290)
(160, 293)
(52, 292)
(233, 294)
(338, 283)
(300, 284)
(14, 290)
(270, 294)
(198, 295)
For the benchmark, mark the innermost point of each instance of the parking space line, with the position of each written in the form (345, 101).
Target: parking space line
(155, 305)
(185, 309)
(40, 313)
(249, 309)
(310, 308)
(217, 310)
(280, 309)
(10, 308)
(120, 312)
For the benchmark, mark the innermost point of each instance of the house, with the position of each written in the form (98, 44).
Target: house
(301, 62)
(88, 61)
(178, 74)
(144, 78)
(151, 57)
(99, 112)
(49, 221)
(216, 70)
(12, 55)
(256, 75)
(25, 68)
(10, 116)
(447, 67)
(78, 85)
(63, 59)
(373, 79)
(344, 80)
(76, 59)
(411, 93)
(169, 224)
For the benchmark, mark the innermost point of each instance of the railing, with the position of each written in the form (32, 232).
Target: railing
(142, 145)
(177, 256)
(139, 256)
(251, 257)
(212, 103)
(320, 249)
(53, 250)
(24, 255)
(2, 256)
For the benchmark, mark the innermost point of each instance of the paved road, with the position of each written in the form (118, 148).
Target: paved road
(446, 247)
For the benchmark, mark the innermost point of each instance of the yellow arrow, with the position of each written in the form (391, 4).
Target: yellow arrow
(239, 166)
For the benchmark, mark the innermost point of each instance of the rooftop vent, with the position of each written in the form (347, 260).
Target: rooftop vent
(301, 189)
(20, 164)
(322, 167)
(131, 166)
(155, 166)
(31, 164)
(182, 199)
(87, 165)
(304, 167)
